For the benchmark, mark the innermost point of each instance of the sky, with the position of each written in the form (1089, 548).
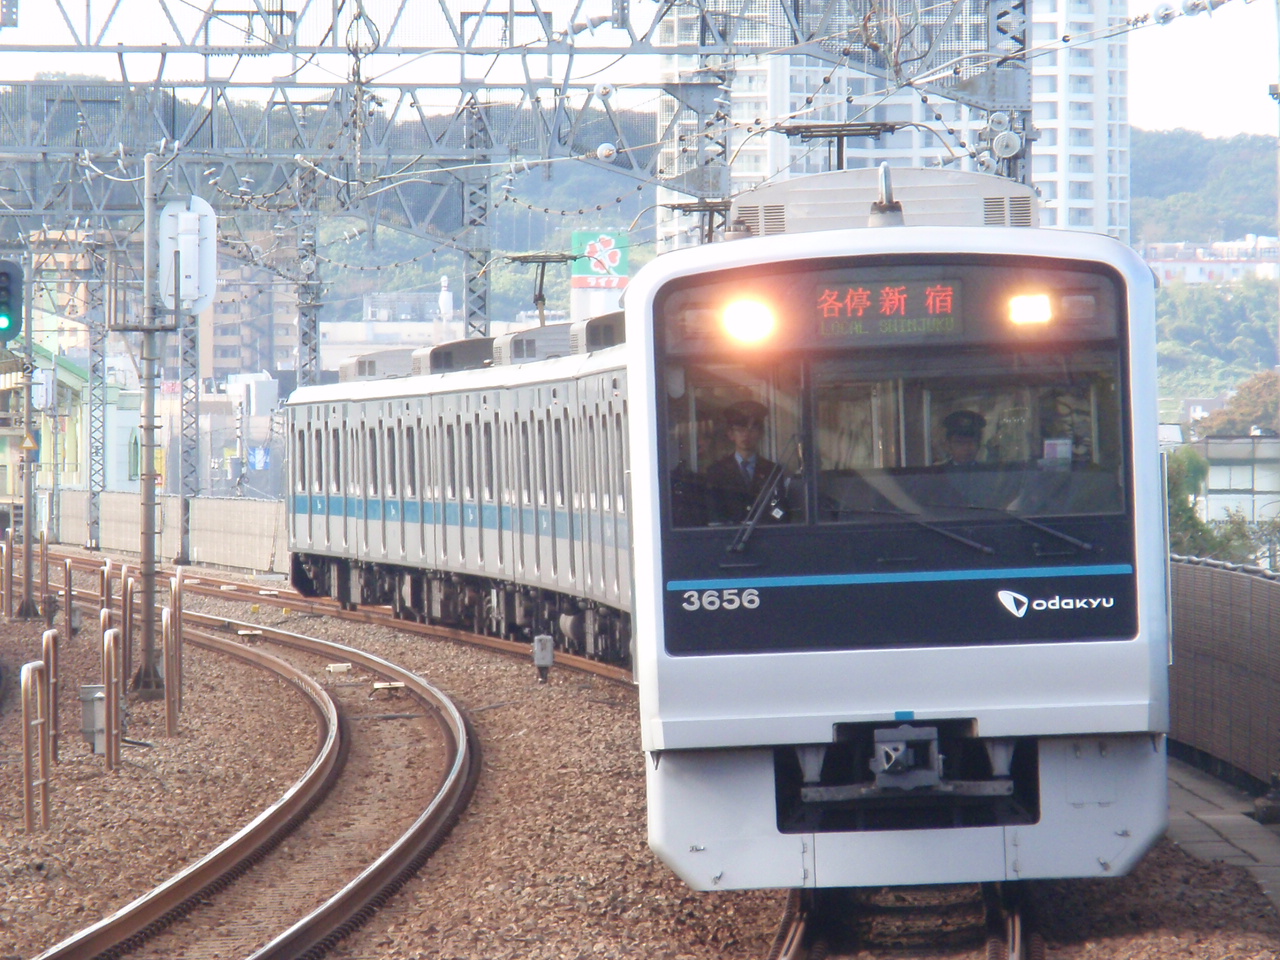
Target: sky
(1209, 72)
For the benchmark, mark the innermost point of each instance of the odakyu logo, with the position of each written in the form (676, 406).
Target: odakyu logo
(1018, 605)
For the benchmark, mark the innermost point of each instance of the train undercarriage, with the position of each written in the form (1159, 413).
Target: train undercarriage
(495, 608)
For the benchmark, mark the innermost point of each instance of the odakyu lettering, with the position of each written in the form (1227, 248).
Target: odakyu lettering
(1018, 605)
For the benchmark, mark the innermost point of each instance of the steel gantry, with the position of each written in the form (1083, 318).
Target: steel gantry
(400, 113)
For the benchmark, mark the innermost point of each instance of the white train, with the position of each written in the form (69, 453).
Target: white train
(490, 497)
(922, 640)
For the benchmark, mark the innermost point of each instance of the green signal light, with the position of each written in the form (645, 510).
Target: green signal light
(11, 290)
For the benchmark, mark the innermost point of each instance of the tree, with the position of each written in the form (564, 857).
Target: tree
(1186, 186)
(1188, 534)
(1255, 404)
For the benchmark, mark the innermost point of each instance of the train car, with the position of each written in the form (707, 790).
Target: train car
(924, 639)
(490, 498)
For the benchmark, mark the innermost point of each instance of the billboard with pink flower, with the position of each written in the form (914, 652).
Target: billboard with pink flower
(602, 260)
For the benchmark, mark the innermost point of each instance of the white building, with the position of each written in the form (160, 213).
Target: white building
(1080, 161)
(1220, 262)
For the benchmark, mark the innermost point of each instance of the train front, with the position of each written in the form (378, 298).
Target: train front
(900, 566)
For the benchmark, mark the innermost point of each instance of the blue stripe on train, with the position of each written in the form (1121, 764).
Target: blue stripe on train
(529, 520)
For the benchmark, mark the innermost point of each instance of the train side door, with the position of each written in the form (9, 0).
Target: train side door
(394, 523)
(414, 483)
(362, 481)
(525, 525)
(302, 531)
(546, 555)
(611, 490)
(334, 519)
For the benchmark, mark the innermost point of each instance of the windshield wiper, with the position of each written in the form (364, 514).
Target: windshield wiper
(764, 498)
(1064, 537)
(915, 518)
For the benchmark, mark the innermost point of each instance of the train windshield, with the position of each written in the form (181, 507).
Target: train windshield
(1036, 435)
(933, 404)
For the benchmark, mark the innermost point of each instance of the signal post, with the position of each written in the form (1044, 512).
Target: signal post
(15, 314)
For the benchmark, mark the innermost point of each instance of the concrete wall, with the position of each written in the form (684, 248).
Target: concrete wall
(226, 532)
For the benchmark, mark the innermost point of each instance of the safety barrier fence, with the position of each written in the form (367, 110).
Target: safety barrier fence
(1225, 679)
(39, 678)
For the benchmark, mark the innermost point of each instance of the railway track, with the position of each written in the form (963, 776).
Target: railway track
(238, 590)
(971, 920)
(956, 921)
(314, 865)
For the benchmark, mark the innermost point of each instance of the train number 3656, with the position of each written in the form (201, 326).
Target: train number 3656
(730, 599)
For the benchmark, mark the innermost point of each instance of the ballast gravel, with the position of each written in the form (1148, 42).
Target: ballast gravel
(549, 862)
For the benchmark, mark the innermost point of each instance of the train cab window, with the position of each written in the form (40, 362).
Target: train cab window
(1027, 436)
(721, 462)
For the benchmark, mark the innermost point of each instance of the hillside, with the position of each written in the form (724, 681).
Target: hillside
(1186, 186)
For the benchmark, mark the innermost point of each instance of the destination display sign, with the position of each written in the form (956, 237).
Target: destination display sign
(892, 311)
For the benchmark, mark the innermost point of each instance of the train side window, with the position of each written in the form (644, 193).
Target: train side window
(526, 470)
(607, 453)
(300, 461)
(424, 471)
(358, 461)
(486, 442)
(450, 463)
(335, 460)
(542, 462)
(317, 454)
(507, 480)
(410, 463)
(371, 449)
(393, 465)
(557, 430)
(620, 464)
(468, 462)
(591, 459)
(353, 462)
(577, 463)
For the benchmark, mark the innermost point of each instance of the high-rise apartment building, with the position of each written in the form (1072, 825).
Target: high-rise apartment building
(1079, 160)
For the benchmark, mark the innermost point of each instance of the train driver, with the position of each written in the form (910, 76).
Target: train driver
(735, 482)
(963, 437)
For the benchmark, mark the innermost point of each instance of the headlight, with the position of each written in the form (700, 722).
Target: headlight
(748, 321)
(1033, 308)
